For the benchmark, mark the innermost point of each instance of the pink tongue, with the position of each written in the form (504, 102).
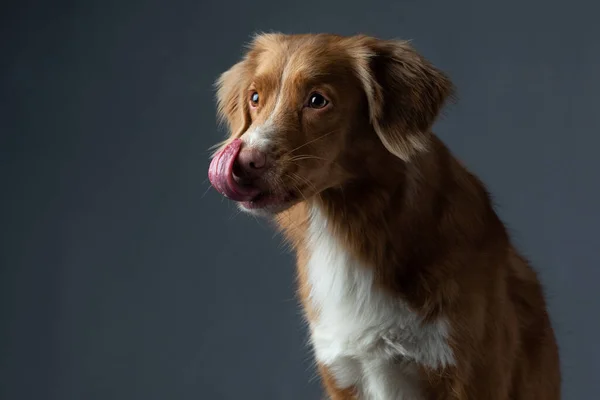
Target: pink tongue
(220, 174)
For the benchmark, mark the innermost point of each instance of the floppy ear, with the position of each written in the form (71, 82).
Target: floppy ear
(232, 107)
(405, 93)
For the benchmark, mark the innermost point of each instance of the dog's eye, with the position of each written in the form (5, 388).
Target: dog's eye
(254, 98)
(317, 101)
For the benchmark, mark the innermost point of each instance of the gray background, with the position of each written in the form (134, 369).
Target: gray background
(120, 280)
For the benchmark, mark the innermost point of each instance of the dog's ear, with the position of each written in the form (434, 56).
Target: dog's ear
(405, 93)
(232, 107)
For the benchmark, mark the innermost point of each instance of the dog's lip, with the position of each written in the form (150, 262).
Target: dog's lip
(220, 174)
(270, 200)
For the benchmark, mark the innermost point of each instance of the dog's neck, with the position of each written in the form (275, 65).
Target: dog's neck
(385, 204)
(403, 218)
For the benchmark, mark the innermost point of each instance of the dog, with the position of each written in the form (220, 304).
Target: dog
(408, 279)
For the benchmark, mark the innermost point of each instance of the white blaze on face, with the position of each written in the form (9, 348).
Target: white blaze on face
(262, 136)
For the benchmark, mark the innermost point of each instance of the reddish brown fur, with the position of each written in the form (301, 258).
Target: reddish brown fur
(401, 203)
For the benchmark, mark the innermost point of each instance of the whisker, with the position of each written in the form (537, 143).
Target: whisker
(257, 220)
(306, 181)
(296, 187)
(301, 157)
(311, 141)
(307, 157)
(206, 191)
(217, 145)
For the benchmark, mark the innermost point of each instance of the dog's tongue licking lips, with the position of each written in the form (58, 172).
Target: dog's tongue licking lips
(220, 174)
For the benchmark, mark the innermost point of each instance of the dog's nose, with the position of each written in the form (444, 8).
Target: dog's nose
(251, 163)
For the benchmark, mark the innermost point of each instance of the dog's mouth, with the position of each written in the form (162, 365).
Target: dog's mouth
(251, 195)
(266, 200)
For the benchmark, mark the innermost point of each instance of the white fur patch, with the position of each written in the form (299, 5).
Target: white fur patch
(262, 136)
(364, 336)
(259, 137)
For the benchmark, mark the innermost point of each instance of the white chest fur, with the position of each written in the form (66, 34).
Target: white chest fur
(365, 337)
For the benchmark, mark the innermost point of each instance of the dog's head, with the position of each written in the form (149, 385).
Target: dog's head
(305, 111)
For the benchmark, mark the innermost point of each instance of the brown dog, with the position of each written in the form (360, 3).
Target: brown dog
(410, 283)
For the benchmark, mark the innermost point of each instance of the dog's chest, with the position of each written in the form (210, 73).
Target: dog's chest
(365, 337)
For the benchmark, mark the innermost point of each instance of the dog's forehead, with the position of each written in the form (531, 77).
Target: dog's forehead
(295, 59)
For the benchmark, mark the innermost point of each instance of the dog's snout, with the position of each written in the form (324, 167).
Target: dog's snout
(251, 163)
